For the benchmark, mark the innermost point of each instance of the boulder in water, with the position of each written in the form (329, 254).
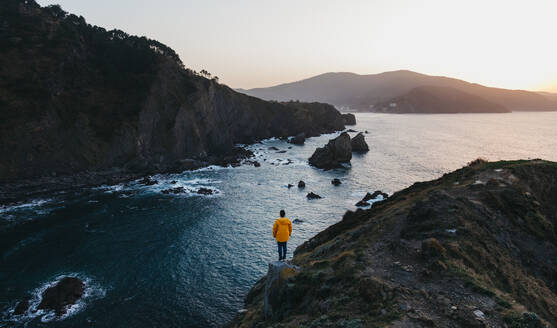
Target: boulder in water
(177, 190)
(299, 139)
(204, 191)
(312, 195)
(336, 182)
(65, 293)
(335, 152)
(301, 184)
(359, 144)
(290, 185)
(297, 221)
(148, 181)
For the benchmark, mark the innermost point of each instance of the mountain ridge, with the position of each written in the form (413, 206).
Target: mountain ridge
(361, 92)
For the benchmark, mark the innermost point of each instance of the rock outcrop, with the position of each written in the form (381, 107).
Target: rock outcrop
(445, 253)
(365, 201)
(276, 285)
(299, 139)
(359, 144)
(76, 98)
(335, 152)
(349, 119)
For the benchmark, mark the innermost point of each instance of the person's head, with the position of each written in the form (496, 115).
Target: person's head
(282, 214)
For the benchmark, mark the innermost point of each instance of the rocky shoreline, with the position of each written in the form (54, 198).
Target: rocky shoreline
(79, 132)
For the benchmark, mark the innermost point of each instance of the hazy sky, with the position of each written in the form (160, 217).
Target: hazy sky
(257, 43)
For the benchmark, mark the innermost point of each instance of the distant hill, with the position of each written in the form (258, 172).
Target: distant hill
(431, 99)
(550, 95)
(361, 92)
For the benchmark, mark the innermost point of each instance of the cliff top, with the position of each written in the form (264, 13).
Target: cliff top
(474, 248)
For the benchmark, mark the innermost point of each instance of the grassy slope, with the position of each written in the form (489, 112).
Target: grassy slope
(379, 267)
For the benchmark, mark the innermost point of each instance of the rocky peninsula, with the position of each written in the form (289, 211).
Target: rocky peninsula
(80, 105)
(474, 248)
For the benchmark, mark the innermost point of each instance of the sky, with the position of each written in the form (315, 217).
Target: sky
(259, 43)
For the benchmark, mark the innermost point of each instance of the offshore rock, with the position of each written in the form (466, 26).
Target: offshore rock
(359, 143)
(335, 152)
(336, 182)
(58, 297)
(312, 195)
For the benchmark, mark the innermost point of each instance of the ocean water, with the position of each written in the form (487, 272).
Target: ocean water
(187, 260)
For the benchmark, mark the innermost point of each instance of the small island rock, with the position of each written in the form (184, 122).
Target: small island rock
(66, 292)
(335, 152)
(312, 195)
(359, 143)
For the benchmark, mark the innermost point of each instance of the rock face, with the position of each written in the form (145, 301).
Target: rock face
(445, 253)
(337, 151)
(299, 139)
(66, 292)
(75, 97)
(349, 119)
(276, 285)
(359, 143)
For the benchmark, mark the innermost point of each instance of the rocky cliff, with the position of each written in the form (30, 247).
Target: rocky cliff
(75, 98)
(475, 248)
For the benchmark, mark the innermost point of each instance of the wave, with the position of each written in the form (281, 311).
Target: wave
(34, 205)
(190, 186)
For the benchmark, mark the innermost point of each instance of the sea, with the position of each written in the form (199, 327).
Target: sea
(150, 259)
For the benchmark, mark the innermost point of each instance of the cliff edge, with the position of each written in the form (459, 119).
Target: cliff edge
(474, 248)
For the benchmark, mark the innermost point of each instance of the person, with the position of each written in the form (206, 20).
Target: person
(282, 230)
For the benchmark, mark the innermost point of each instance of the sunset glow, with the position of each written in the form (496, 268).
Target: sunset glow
(507, 44)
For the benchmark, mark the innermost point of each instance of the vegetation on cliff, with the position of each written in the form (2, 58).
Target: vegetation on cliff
(76, 97)
(475, 248)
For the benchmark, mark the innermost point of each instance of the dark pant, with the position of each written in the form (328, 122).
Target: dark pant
(282, 250)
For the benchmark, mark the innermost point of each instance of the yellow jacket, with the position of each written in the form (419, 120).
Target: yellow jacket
(282, 229)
